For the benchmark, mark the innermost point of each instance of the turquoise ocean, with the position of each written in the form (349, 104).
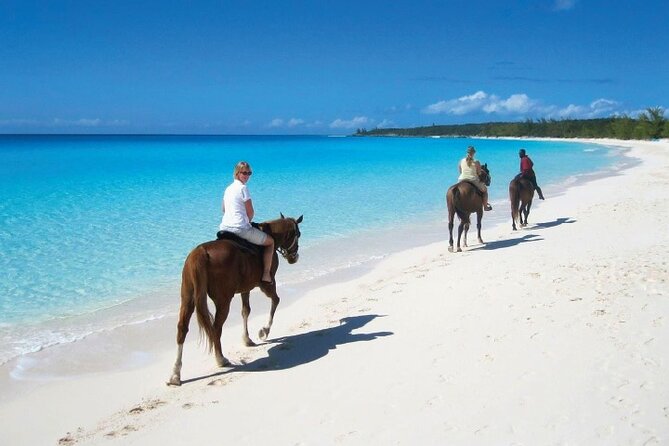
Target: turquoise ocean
(94, 229)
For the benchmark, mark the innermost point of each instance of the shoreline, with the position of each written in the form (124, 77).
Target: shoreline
(151, 300)
(365, 300)
(376, 249)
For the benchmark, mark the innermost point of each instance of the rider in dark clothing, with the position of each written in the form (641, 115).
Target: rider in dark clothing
(526, 171)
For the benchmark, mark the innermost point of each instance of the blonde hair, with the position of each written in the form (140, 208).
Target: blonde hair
(470, 155)
(241, 166)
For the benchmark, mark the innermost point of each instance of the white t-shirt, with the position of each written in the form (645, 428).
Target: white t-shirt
(234, 200)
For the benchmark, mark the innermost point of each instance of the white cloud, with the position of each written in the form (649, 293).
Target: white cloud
(83, 122)
(596, 109)
(520, 104)
(358, 121)
(481, 101)
(459, 106)
(516, 103)
(18, 122)
(292, 122)
(563, 5)
(315, 124)
(385, 124)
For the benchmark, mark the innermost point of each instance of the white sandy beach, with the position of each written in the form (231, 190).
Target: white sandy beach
(553, 334)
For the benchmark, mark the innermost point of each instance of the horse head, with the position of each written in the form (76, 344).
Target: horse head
(484, 176)
(286, 233)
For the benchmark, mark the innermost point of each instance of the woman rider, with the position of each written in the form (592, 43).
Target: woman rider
(470, 169)
(238, 213)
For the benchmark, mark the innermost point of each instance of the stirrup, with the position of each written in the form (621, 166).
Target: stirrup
(487, 207)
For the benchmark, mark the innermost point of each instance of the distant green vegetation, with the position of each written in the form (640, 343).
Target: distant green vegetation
(650, 124)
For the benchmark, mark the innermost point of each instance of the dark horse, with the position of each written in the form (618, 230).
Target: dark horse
(463, 198)
(521, 193)
(221, 268)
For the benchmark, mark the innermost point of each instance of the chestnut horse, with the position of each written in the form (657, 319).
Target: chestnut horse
(221, 268)
(462, 199)
(521, 193)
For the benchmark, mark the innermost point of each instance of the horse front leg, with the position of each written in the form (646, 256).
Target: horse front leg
(479, 217)
(527, 211)
(523, 215)
(270, 291)
(246, 311)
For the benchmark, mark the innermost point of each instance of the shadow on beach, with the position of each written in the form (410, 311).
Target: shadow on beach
(292, 351)
(552, 224)
(499, 244)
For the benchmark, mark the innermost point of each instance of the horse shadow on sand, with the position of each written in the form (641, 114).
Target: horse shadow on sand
(499, 244)
(508, 243)
(295, 350)
(552, 224)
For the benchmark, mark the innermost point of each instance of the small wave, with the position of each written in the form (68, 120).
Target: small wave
(24, 341)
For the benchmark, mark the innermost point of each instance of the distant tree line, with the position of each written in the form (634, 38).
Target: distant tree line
(650, 124)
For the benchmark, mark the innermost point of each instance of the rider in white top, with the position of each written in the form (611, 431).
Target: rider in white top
(234, 207)
(238, 213)
(469, 169)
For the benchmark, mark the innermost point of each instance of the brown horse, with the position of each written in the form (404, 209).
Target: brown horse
(462, 199)
(521, 193)
(221, 268)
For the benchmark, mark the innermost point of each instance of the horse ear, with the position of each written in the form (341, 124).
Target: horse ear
(299, 220)
(281, 214)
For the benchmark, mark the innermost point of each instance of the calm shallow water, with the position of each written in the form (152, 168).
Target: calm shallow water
(90, 224)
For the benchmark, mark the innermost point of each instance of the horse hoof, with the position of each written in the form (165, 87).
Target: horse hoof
(222, 361)
(175, 381)
(263, 333)
(249, 343)
(459, 249)
(450, 249)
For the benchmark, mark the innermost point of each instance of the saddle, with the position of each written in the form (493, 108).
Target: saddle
(476, 188)
(244, 245)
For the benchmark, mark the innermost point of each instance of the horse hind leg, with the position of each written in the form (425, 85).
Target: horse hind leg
(450, 235)
(461, 227)
(465, 235)
(479, 217)
(270, 291)
(185, 312)
(222, 303)
(246, 311)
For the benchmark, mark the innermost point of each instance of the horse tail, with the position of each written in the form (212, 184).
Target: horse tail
(194, 282)
(514, 197)
(463, 216)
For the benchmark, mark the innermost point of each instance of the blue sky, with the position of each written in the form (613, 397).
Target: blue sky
(324, 67)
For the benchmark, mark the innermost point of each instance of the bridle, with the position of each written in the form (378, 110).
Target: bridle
(485, 177)
(290, 252)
